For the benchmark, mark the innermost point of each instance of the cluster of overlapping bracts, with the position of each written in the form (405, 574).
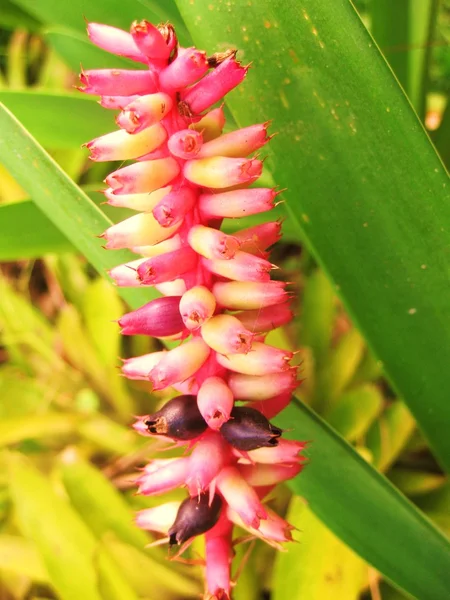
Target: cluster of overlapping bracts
(218, 298)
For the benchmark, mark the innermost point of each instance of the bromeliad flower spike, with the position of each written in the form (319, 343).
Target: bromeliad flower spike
(217, 296)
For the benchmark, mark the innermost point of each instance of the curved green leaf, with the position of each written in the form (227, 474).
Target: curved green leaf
(365, 510)
(46, 115)
(66, 546)
(71, 13)
(320, 567)
(19, 556)
(61, 200)
(12, 16)
(365, 185)
(17, 429)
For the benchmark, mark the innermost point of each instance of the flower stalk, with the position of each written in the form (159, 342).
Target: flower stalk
(187, 177)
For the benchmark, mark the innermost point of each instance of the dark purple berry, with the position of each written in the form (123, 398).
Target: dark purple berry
(249, 429)
(194, 517)
(179, 419)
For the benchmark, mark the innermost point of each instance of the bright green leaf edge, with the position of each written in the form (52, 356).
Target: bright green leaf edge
(365, 186)
(62, 201)
(59, 119)
(365, 510)
(72, 13)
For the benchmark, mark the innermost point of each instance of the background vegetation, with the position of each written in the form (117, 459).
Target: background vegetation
(366, 244)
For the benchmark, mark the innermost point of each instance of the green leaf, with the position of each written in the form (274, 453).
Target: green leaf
(365, 511)
(318, 312)
(90, 492)
(59, 119)
(61, 200)
(389, 434)
(14, 385)
(442, 137)
(413, 482)
(77, 51)
(339, 369)
(355, 411)
(108, 435)
(390, 28)
(364, 183)
(12, 17)
(101, 310)
(82, 354)
(404, 31)
(166, 582)
(435, 505)
(67, 548)
(17, 429)
(320, 567)
(27, 233)
(19, 556)
(72, 13)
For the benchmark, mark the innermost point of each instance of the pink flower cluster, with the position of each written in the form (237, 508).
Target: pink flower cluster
(217, 295)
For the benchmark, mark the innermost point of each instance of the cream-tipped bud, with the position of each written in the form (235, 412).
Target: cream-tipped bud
(158, 518)
(145, 176)
(197, 306)
(215, 402)
(139, 367)
(144, 111)
(242, 267)
(211, 125)
(249, 295)
(226, 335)
(212, 243)
(142, 202)
(120, 145)
(222, 172)
(262, 387)
(237, 203)
(185, 144)
(261, 360)
(140, 230)
(179, 364)
(267, 318)
(236, 144)
(240, 496)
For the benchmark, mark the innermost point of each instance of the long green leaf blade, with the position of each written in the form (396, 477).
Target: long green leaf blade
(365, 186)
(61, 200)
(365, 510)
(45, 114)
(113, 12)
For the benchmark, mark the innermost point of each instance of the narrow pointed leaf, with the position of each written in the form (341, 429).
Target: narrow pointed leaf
(366, 511)
(72, 13)
(59, 119)
(365, 186)
(320, 567)
(61, 200)
(67, 548)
